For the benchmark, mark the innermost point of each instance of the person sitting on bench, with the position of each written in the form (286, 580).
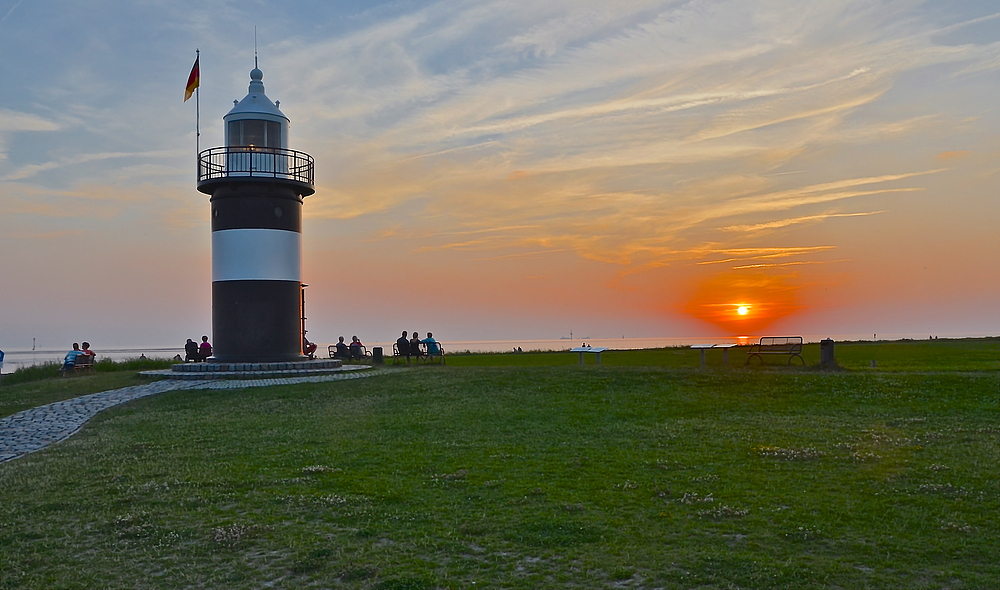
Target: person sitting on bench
(205, 348)
(69, 361)
(91, 355)
(415, 349)
(356, 348)
(191, 351)
(403, 346)
(432, 345)
(343, 352)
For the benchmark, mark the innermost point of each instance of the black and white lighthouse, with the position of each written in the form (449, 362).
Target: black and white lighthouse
(257, 185)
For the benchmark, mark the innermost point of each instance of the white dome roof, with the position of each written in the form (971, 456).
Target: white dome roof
(255, 102)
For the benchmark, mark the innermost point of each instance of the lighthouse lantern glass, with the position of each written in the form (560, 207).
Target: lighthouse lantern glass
(255, 133)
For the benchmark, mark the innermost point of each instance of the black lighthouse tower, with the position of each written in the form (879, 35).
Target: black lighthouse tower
(257, 185)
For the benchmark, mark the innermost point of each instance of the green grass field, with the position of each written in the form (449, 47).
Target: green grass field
(646, 472)
(968, 354)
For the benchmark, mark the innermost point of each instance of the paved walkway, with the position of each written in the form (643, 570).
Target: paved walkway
(36, 428)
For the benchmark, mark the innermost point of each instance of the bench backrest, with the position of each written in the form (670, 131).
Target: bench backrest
(790, 344)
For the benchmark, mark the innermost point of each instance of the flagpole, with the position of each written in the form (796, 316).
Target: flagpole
(197, 109)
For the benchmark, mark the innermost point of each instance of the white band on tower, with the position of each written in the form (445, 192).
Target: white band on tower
(256, 255)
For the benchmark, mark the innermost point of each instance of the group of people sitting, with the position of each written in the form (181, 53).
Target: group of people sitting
(196, 353)
(353, 351)
(412, 347)
(72, 358)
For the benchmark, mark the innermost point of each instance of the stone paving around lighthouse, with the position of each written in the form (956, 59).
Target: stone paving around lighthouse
(36, 428)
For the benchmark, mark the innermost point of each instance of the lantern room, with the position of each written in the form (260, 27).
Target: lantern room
(255, 121)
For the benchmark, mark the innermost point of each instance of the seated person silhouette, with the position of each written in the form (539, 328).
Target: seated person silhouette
(432, 345)
(205, 348)
(308, 348)
(69, 361)
(90, 354)
(356, 348)
(343, 352)
(403, 346)
(191, 351)
(415, 349)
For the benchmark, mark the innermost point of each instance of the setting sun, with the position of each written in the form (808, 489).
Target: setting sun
(723, 299)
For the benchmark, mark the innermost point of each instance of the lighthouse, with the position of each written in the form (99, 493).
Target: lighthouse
(257, 185)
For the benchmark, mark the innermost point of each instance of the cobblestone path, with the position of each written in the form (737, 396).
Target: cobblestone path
(36, 428)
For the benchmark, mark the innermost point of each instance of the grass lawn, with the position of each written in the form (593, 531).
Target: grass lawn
(966, 354)
(526, 477)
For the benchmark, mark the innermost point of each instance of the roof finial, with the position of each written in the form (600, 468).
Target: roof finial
(255, 46)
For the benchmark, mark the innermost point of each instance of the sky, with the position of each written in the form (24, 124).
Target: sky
(513, 169)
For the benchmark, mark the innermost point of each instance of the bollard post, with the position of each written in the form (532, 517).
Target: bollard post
(826, 357)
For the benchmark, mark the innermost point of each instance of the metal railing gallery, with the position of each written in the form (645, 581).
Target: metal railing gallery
(249, 161)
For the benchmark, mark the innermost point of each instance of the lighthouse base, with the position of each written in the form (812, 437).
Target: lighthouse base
(256, 321)
(231, 371)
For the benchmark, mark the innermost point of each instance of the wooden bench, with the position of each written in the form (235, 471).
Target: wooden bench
(782, 345)
(424, 356)
(84, 364)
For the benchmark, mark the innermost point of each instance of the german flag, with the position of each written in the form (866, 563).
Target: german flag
(194, 80)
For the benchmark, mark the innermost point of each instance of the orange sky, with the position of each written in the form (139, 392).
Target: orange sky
(519, 173)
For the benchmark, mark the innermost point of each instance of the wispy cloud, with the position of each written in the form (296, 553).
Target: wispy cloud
(783, 264)
(18, 121)
(31, 170)
(11, 11)
(794, 221)
(952, 155)
(757, 253)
